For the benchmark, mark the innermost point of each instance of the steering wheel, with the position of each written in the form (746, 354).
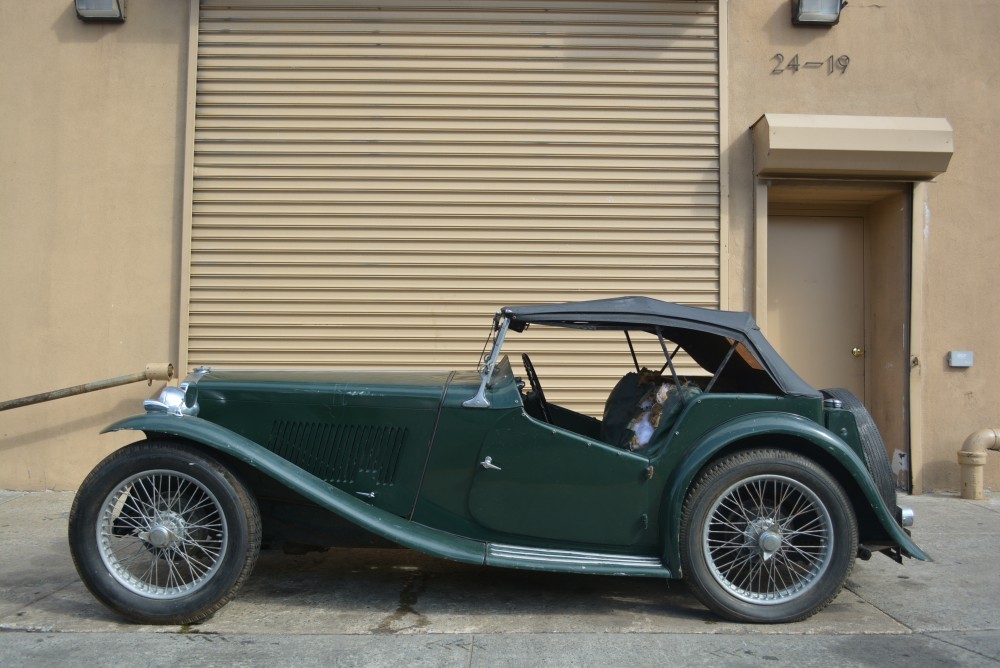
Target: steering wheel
(529, 369)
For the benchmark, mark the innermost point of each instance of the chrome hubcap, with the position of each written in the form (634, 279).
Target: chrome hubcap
(168, 531)
(769, 542)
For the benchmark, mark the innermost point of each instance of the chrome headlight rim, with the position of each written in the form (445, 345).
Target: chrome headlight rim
(180, 400)
(172, 400)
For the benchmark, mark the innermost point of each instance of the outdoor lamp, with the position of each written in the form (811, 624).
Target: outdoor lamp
(817, 12)
(101, 10)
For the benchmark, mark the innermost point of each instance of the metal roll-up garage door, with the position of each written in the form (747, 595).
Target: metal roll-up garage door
(372, 182)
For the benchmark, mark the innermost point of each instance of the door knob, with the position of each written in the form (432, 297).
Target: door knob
(857, 352)
(488, 464)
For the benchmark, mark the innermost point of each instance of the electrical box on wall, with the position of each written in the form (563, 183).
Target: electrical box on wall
(960, 358)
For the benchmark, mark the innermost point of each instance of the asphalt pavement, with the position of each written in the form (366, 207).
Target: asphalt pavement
(401, 608)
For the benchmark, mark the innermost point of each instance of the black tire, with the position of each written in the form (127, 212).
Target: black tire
(876, 456)
(162, 533)
(767, 536)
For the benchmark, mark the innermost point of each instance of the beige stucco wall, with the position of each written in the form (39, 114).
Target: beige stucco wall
(91, 130)
(907, 58)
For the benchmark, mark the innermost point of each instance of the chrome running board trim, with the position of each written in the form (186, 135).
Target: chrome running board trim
(534, 558)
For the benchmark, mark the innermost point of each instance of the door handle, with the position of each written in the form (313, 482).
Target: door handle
(488, 464)
(857, 352)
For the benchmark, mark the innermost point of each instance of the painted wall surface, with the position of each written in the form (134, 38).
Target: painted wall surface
(907, 58)
(92, 129)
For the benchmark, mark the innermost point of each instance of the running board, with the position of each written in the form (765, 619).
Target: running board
(569, 561)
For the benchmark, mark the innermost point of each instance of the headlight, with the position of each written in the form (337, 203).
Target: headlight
(172, 400)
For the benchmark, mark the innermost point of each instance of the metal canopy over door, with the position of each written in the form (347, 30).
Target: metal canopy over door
(371, 182)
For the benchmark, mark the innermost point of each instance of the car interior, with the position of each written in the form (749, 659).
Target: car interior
(641, 406)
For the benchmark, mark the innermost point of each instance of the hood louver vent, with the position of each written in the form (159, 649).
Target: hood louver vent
(338, 452)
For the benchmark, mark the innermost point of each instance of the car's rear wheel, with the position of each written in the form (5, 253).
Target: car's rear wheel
(767, 536)
(162, 533)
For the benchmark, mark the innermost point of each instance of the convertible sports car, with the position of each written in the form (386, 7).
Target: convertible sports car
(757, 489)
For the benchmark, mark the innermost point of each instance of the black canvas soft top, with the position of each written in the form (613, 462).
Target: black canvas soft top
(705, 334)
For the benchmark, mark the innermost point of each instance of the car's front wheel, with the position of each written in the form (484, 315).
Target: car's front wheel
(162, 533)
(767, 536)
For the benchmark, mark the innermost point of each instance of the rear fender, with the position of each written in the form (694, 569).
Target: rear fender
(379, 522)
(771, 424)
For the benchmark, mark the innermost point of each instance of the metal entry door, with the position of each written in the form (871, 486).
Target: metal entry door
(816, 297)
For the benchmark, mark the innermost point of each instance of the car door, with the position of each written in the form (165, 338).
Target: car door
(534, 479)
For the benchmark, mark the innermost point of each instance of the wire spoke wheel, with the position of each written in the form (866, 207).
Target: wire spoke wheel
(162, 534)
(768, 539)
(767, 536)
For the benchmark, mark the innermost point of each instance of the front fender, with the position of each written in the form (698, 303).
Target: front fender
(771, 424)
(379, 522)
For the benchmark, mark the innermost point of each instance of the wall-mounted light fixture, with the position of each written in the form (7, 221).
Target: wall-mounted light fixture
(101, 10)
(817, 12)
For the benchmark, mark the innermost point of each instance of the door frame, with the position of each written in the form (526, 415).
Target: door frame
(916, 194)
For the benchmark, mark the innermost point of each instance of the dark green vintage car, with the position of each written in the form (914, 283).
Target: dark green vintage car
(757, 489)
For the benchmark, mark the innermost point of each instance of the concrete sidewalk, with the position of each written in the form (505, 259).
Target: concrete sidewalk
(386, 607)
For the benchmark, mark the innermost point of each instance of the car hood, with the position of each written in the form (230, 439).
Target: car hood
(351, 387)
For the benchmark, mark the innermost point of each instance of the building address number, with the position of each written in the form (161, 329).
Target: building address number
(832, 64)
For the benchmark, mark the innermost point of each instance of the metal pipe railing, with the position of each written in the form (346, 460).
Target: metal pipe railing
(152, 372)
